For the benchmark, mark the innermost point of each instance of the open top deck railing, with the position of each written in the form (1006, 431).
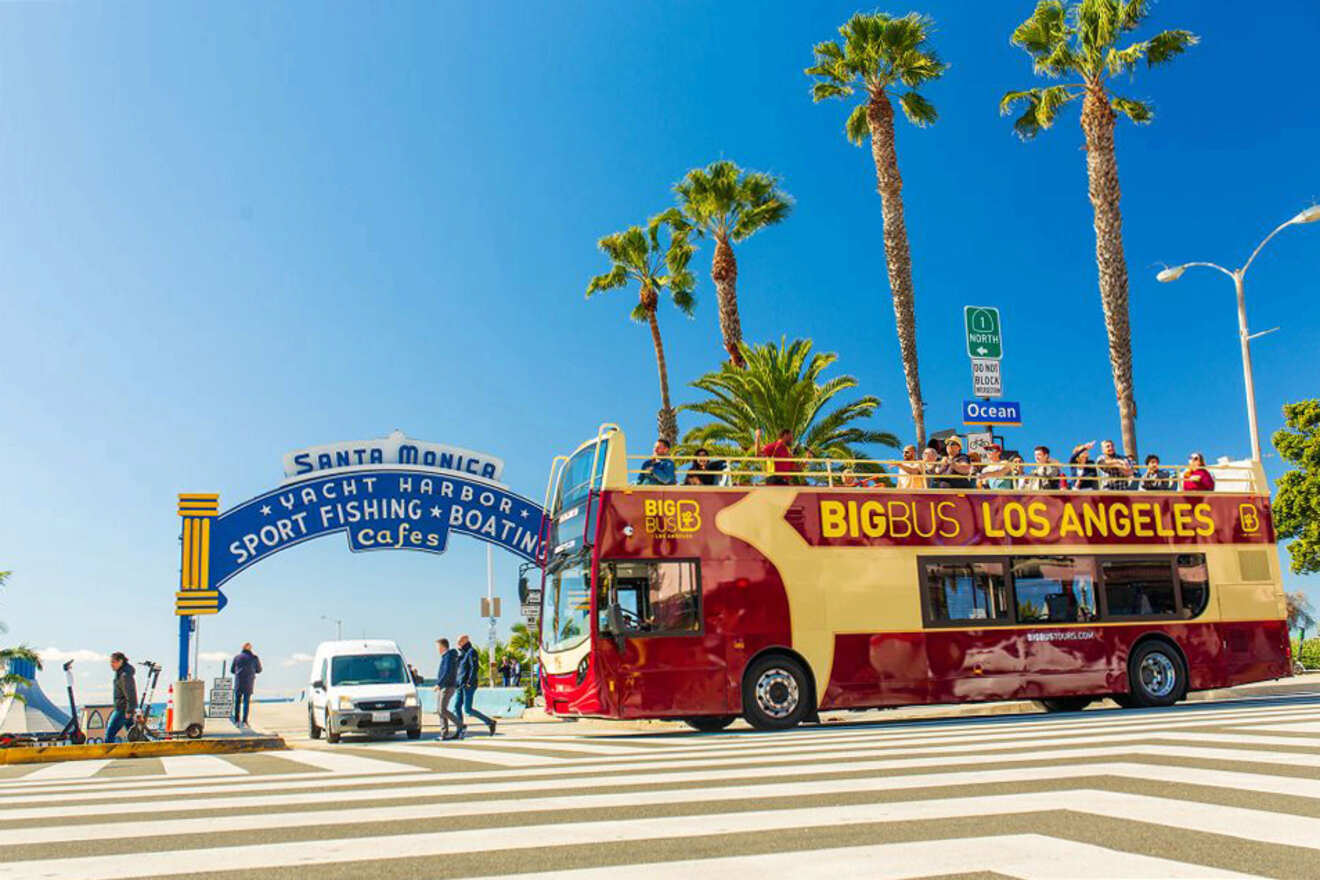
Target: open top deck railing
(918, 475)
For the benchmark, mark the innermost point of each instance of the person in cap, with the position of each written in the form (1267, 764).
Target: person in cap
(996, 473)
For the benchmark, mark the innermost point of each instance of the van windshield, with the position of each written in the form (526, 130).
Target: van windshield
(368, 669)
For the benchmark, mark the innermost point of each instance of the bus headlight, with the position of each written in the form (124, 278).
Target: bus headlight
(582, 670)
(345, 703)
(410, 701)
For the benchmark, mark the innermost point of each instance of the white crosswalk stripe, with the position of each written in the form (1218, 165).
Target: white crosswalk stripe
(710, 804)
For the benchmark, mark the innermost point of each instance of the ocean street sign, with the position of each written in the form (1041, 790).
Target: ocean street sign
(984, 336)
(1000, 412)
(987, 381)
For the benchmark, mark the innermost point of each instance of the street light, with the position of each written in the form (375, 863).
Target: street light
(339, 626)
(1173, 273)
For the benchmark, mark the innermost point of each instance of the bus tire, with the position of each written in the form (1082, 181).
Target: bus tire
(776, 693)
(1065, 704)
(710, 723)
(1157, 675)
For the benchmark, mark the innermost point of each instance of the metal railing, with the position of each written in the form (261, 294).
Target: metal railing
(920, 475)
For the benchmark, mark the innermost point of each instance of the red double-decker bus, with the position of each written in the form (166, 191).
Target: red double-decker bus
(775, 603)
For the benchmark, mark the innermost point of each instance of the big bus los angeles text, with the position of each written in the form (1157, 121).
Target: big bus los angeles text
(776, 603)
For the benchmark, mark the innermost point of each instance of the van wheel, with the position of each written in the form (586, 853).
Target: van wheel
(710, 723)
(1156, 675)
(331, 735)
(313, 730)
(414, 733)
(776, 693)
(1065, 704)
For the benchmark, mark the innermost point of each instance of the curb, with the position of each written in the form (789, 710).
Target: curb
(165, 748)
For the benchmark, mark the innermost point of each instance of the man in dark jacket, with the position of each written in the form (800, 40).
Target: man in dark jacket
(467, 683)
(245, 667)
(125, 696)
(446, 684)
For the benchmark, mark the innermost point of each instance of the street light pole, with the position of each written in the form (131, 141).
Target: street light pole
(1173, 273)
(339, 626)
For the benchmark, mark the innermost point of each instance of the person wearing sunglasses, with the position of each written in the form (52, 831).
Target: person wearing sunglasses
(1197, 478)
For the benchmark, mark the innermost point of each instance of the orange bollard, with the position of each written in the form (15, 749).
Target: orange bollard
(169, 712)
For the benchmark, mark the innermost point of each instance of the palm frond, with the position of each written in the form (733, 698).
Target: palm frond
(1042, 105)
(1164, 47)
(857, 128)
(1138, 111)
(917, 109)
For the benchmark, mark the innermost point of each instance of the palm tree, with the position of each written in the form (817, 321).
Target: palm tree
(522, 642)
(641, 256)
(780, 387)
(880, 53)
(1300, 613)
(1080, 42)
(9, 680)
(729, 204)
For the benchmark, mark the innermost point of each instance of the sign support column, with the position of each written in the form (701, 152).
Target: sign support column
(197, 510)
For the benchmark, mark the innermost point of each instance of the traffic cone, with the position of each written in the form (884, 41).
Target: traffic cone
(169, 712)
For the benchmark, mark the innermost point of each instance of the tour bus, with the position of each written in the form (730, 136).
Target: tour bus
(777, 602)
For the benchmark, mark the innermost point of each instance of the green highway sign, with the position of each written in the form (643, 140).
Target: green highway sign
(984, 338)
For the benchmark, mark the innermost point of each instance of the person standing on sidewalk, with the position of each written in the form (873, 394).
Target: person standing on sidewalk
(446, 685)
(468, 662)
(125, 696)
(245, 667)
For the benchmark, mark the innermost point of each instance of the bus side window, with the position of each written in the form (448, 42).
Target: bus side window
(1139, 587)
(1194, 582)
(958, 590)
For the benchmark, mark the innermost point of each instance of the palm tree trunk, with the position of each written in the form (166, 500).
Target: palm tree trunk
(666, 418)
(888, 182)
(1102, 177)
(724, 272)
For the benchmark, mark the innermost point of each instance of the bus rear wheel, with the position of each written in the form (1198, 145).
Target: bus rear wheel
(1157, 675)
(776, 693)
(710, 723)
(1065, 704)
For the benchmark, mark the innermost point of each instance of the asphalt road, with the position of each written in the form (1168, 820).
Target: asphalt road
(1211, 789)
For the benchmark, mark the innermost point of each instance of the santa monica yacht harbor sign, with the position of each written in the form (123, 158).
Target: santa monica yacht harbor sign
(392, 493)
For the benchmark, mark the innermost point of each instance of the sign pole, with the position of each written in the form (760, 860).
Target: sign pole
(490, 600)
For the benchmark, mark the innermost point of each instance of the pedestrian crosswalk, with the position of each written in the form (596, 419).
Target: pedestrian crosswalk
(1203, 790)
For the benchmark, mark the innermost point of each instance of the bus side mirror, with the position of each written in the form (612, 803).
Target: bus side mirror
(614, 616)
(522, 589)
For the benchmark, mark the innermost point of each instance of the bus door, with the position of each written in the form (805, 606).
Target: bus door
(654, 646)
(1056, 600)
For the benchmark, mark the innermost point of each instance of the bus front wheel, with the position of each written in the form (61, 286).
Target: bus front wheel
(1156, 675)
(776, 693)
(1065, 704)
(710, 723)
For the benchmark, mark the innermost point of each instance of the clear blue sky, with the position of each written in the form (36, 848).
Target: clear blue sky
(231, 230)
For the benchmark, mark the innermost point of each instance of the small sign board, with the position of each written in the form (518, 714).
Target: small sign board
(987, 381)
(531, 611)
(985, 339)
(1000, 412)
(977, 441)
(221, 704)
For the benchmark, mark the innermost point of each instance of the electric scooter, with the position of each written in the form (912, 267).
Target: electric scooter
(140, 730)
(71, 733)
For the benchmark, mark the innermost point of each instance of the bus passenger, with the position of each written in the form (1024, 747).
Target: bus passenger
(1155, 478)
(780, 448)
(996, 473)
(658, 470)
(909, 469)
(1084, 474)
(956, 469)
(705, 470)
(1046, 475)
(1196, 478)
(1114, 467)
(1016, 472)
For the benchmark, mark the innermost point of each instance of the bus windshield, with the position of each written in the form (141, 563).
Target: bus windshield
(566, 605)
(570, 511)
(575, 481)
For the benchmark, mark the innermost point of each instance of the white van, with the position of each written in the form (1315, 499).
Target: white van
(361, 686)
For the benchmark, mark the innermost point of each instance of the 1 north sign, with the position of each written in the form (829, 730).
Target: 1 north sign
(985, 339)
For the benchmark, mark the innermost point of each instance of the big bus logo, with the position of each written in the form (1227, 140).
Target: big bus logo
(1249, 517)
(671, 517)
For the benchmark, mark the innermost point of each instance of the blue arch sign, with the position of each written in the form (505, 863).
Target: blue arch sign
(381, 504)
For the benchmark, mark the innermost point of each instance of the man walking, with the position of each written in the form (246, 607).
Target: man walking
(446, 684)
(467, 683)
(245, 667)
(125, 696)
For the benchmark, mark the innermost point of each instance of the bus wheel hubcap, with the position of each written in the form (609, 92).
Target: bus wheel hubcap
(777, 693)
(1158, 675)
